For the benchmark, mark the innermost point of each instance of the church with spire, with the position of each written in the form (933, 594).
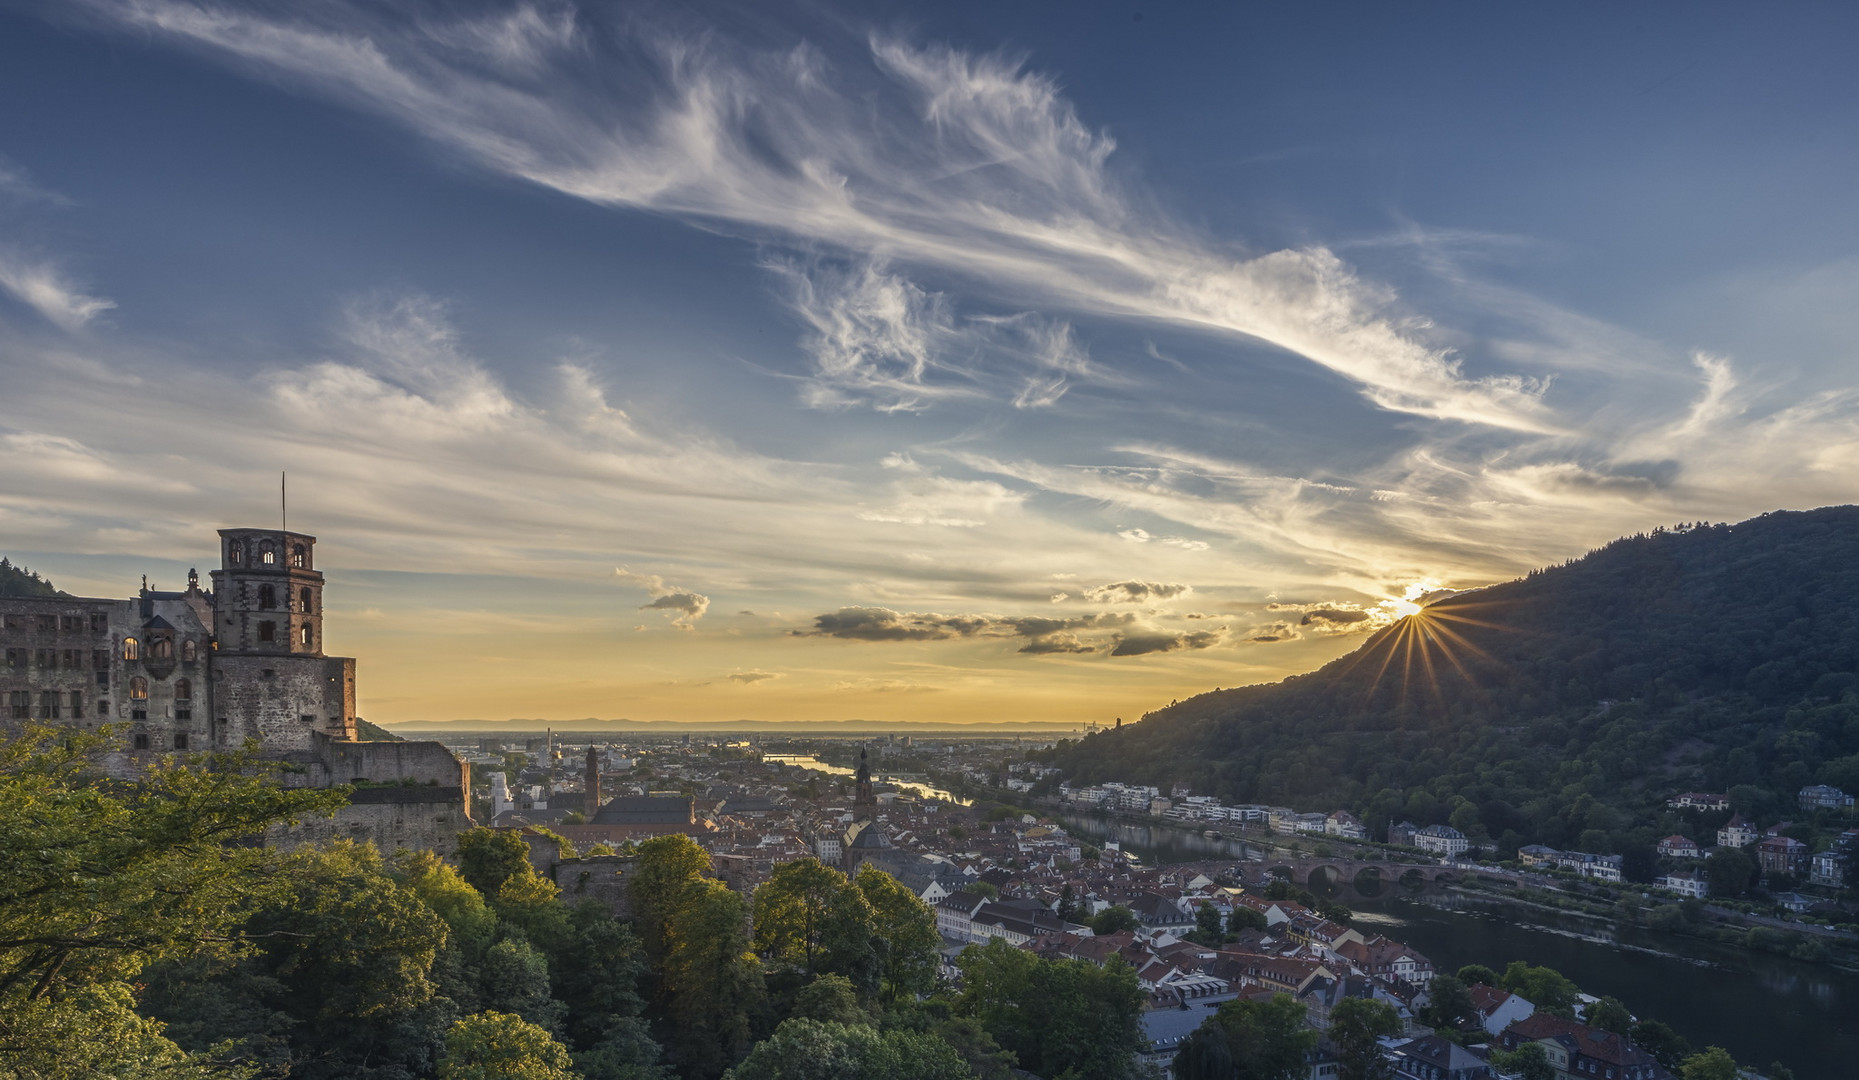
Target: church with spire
(865, 839)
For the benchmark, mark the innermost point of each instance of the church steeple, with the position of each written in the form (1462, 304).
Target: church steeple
(592, 801)
(864, 800)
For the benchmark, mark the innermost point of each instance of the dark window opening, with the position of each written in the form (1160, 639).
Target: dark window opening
(304, 633)
(298, 556)
(99, 621)
(307, 718)
(267, 597)
(72, 623)
(19, 704)
(77, 705)
(100, 659)
(73, 659)
(304, 597)
(140, 740)
(180, 740)
(235, 552)
(183, 690)
(267, 631)
(138, 714)
(183, 713)
(161, 648)
(16, 658)
(49, 705)
(48, 622)
(45, 658)
(190, 651)
(103, 679)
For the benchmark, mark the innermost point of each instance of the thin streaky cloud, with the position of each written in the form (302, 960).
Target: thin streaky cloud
(47, 289)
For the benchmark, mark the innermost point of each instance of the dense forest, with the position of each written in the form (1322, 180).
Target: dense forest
(19, 581)
(1562, 708)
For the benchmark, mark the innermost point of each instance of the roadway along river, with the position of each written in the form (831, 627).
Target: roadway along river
(1760, 1007)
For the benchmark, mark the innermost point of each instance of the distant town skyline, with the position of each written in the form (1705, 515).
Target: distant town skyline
(814, 362)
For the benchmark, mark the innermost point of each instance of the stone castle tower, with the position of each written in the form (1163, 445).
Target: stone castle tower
(270, 670)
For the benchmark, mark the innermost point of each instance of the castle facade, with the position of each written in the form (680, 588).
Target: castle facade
(198, 670)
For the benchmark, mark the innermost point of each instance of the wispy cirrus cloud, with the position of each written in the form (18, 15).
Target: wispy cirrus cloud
(42, 285)
(976, 167)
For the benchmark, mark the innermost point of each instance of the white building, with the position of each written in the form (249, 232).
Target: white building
(1685, 883)
(1441, 840)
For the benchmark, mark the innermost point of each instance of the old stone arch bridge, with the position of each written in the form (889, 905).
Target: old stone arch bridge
(1364, 876)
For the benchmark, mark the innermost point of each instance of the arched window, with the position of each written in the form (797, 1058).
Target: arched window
(190, 650)
(161, 648)
(235, 552)
(268, 554)
(132, 649)
(138, 689)
(183, 690)
(304, 635)
(299, 556)
(306, 602)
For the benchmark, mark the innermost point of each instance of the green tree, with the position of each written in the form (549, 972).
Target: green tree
(1731, 872)
(1657, 1038)
(515, 980)
(489, 857)
(1449, 1002)
(1055, 1015)
(806, 911)
(498, 1046)
(906, 928)
(1245, 918)
(1529, 1061)
(1267, 1040)
(666, 868)
(450, 896)
(597, 973)
(802, 1049)
(831, 998)
(1207, 920)
(1610, 1014)
(712, 977)
(1546, 988)
(1355, 1026)
(1473, 974)
(1114, 919)
(1713, 1063)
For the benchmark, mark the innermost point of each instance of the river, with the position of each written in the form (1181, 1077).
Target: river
(1760, 1007)
(923, 791)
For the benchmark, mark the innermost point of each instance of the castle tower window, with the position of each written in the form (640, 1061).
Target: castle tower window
(190, 650)
(305, 634)
(305, 596)
(183, 690)
(267, 597)
(161, 648)
(235, 552)
(140, 740)
(267, 554)
(298, 556)
(132, 649)
(138, 689)
(267, 631)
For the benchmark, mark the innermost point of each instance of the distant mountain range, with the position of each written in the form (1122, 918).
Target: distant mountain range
(720, 727)
(1562, 708)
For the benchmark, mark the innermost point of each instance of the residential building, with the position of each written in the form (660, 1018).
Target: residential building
(1825, 797)
(1685, 883)
(1738, 832)
(1827, 868)
(1498, 1009)
(1433, 1058)
(1344, 824)
(1402, 835)
(1538, 855)
(1441, 840)
(1679, 847)
(1782, 855)
(1699, 800)
(1579, 1052)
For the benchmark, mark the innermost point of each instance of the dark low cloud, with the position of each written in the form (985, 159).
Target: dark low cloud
(689, 605)
(750, 677)
(1333, 615)
(883, 624)
(1265, 635)
(1143, 644)
(1056, 645)
(1134, 592)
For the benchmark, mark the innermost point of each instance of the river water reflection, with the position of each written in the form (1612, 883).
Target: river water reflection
(807, 761)
(1761, 1008)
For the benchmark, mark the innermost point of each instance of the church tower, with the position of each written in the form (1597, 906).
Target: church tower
(591, 803)
(270, 670)
(864, 800)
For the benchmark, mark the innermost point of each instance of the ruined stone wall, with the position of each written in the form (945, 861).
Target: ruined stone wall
(601, 878)
(392, 818)
(284, 702)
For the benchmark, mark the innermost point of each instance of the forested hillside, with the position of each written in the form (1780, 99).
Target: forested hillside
(19, 581)
(1562, 708)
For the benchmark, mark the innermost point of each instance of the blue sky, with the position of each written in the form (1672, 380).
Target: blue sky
(952, 362)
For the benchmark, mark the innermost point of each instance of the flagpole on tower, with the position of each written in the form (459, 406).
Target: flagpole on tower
(283, 504)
